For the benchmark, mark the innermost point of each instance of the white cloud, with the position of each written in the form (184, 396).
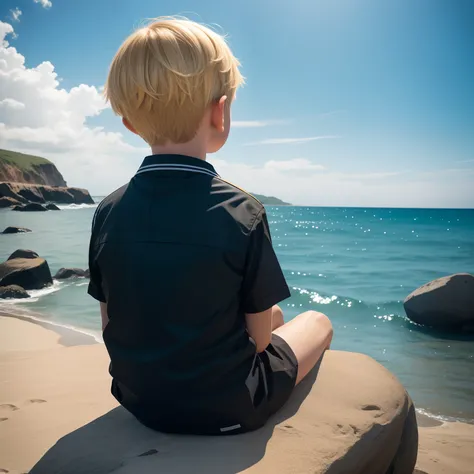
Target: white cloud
(290, 141)
(297, 165)
(11, 104)
(16, 13)
(44, 3)
(248, 123)
(5, 29)
(257, 123)
(39, 117)
(331, 113)
(332, 188)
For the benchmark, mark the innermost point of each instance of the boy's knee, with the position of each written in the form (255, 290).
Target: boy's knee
(277, 312)
(320, 319)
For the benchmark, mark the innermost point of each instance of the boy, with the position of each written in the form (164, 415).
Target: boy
(182, 261)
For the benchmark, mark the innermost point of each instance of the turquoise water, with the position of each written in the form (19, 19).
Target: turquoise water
(355, 265)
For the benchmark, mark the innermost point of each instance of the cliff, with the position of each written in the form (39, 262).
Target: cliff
(31, 179)
(20, 168)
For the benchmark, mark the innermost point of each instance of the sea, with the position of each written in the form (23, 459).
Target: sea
(355, 265)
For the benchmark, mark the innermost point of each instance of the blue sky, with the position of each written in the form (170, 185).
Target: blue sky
(349, 102)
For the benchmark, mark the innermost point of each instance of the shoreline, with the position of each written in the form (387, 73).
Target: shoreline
(49, 389)
(70, 336)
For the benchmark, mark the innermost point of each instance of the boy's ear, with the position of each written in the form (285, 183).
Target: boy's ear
(218, 114)
(129, 125)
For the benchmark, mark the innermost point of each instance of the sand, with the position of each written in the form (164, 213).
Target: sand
(48, 390)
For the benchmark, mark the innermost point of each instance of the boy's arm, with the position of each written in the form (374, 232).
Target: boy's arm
(95, 283)
(264, 284)
(104, 315)
(259, 327)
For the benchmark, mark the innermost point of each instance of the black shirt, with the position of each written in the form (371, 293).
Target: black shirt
(180, 255)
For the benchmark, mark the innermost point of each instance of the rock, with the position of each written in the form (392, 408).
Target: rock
(22, 253)
(13, 291)
(42, 193)
(31, 207)
(32, 194)
(8, 202)
(16, 230)
(64, 273)
(324, 428)
(52, 207)
(11, 190)
(443, 303)
(81, 196)
(29, 273)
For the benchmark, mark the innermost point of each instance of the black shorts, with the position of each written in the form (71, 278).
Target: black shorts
(281, 369)
(268, 388)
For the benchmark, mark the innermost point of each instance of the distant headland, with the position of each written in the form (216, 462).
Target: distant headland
(33, 183)
(270, 200)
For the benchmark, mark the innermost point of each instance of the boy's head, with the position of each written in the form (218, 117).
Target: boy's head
(173, 79)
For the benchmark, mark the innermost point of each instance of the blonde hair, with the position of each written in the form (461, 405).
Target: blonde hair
(165, 75)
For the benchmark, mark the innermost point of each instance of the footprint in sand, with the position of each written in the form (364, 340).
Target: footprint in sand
(8, 407)
(34, 400)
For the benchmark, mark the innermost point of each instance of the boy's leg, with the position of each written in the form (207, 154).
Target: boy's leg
(308, 335)
(277, 317)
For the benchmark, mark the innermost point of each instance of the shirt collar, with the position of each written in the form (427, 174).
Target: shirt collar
(176, 163)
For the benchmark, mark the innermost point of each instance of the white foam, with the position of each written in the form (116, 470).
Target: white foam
(71, 207)
(27, 314)
(442, 418)
(35, 295)
(56, 286)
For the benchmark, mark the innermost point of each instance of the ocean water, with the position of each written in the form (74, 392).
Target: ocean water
(355, 265)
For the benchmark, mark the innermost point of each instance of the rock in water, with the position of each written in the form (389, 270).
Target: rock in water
(81, 196)
(64, 273)
(444, 303)
(52, 207)
(31, 207)
(13, 291)
(23, 253)
(29, 273)
(8, 202)
(16, 230)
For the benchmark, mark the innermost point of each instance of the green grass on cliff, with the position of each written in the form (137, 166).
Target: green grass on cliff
(20, 160)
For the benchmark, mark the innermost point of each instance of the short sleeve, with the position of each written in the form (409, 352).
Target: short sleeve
(95, 284)
(264, 284)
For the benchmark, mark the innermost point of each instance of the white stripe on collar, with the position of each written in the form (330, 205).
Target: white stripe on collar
(176, 167)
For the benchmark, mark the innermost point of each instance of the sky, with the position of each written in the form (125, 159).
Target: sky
(346, 103)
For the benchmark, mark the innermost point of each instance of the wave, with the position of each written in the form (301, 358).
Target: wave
(443, 418)
(35, 295)
(319, 297)
(71, 207)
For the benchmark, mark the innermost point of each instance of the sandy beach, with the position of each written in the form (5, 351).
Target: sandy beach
(52, 384)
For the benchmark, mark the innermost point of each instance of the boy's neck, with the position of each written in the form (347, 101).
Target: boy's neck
(192, 148)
